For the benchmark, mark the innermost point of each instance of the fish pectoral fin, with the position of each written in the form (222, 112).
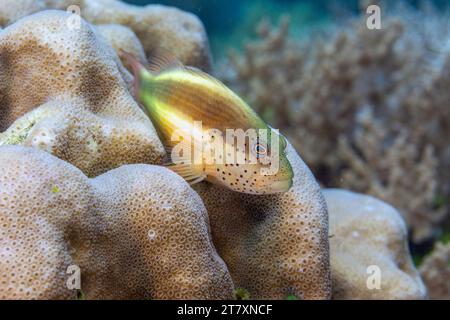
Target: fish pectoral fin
(187, 172)
(135, 66)
(161, 60)
(199, 179)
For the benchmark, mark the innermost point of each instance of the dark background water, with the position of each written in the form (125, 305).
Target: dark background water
(230, 22)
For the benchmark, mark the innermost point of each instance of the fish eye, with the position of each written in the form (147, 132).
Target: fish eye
(260, 149)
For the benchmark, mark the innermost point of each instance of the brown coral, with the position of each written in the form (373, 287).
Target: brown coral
(379, 88)
(156, 26)
(122, 38)
(276, 245)
(81, 109)
(135, 232)
(12, 10)
(435, 271)
(97, 130)
(369, 236)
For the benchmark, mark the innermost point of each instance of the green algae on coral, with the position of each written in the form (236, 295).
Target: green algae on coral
(21, 128)
(241, 294)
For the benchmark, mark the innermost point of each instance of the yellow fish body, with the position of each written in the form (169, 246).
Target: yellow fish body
(186, 102)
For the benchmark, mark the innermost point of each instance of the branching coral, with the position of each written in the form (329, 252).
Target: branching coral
(436, 268)
(368, 109)
(369, 240)
(130, 238)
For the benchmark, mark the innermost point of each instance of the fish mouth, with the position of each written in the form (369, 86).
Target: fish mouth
(280, 186)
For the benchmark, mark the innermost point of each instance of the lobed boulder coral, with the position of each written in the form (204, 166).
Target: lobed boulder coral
(156, 26)
(77, 104)
(130, 238)
(139, 231)
(78, 108)
(276, 245)
(368, 238)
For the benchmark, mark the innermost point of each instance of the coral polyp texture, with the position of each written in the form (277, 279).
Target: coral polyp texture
(130, 238)
(367, 109)
(80, 183)
(69, 87)
(122, 38)
(275, 245)
(158, 27)
(369, 249)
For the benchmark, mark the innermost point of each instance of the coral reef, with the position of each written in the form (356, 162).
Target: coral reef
(435, 271)
(130, 238)
(156, 26)
(366, 232)
(77, 105)
(367, 109)
(93, 123)
(138, 230)
(274, 245)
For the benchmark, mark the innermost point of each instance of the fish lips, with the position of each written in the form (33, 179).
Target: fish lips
(280, 186)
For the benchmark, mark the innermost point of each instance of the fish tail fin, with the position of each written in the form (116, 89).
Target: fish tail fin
(131, 61)
(136, 66)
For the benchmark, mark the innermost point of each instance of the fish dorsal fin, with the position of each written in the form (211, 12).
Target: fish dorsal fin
(199, 73)
(161, 59)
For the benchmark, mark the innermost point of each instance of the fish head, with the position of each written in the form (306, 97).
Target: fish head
(274, 173)
(265, 169)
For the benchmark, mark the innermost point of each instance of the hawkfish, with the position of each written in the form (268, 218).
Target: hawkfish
(223, 141)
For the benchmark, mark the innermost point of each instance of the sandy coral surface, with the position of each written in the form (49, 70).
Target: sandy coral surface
(130, 238)
(157, 27)
(77, 105)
